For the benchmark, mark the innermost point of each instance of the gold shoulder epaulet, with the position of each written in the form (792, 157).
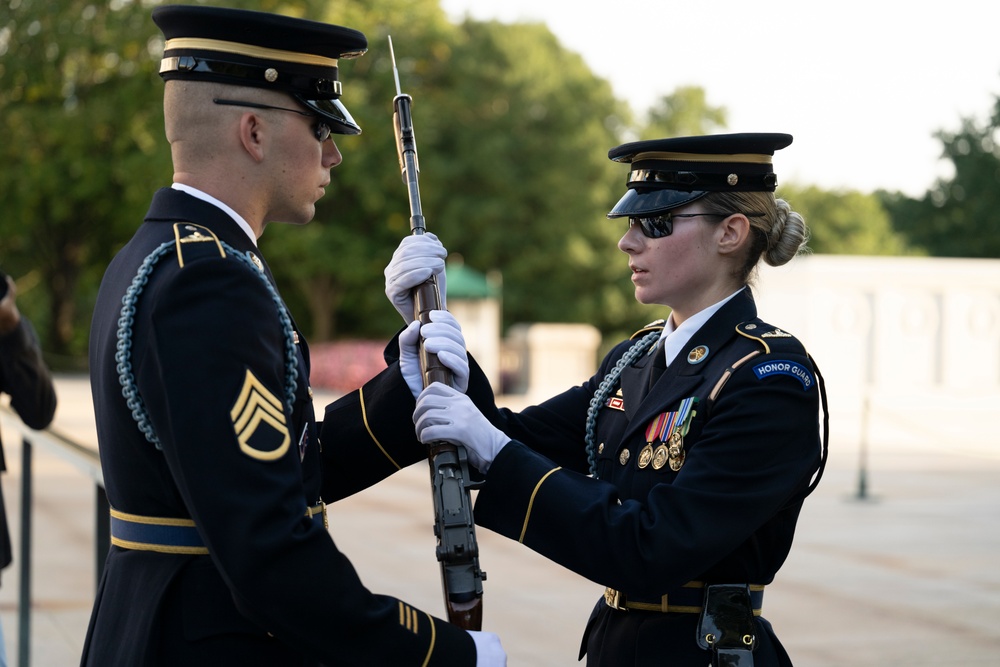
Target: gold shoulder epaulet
(655, 325)
(763, 334)
(189, 237)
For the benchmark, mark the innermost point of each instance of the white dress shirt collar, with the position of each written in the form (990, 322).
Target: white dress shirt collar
(198, 194)
(677, 338)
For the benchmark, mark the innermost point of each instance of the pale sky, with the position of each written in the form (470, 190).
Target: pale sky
(861, 85)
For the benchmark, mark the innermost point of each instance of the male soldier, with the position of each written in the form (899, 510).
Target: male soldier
(214, 465)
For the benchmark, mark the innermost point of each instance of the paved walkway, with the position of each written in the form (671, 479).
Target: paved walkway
(906, 575)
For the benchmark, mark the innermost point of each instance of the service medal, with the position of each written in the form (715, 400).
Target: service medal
(660, 457)
(676, 451)
(655, 428)
(671, 435)
(646, 455)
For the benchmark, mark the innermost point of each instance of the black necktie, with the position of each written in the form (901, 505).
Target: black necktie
(659, 362)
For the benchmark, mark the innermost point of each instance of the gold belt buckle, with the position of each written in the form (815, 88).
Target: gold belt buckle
(615, 599)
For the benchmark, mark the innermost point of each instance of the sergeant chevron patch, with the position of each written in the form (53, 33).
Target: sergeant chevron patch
(259, 421)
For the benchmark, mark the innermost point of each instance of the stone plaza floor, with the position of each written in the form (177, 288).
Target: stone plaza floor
(904, 573)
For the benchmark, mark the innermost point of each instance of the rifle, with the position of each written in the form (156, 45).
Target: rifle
(457, 549)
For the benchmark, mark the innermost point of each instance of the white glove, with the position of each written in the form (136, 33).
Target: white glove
(489, 652)
(443, 337)
(443, 413)
(416, 259)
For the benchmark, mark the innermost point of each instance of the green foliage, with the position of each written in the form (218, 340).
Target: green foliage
(331, 270)
(519, 177)
(844, 222)
(80, 148)
(513, 132)
(959, 216)
(685, 112)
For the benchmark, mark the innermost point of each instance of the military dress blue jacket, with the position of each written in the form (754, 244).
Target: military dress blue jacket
(26, 379)
(204, 417)
(721, 509)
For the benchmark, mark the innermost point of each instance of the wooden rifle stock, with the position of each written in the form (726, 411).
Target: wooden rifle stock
(454, 527)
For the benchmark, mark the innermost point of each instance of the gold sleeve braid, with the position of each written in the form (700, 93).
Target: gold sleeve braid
(364, 417)
(531, 502)
(408, 619)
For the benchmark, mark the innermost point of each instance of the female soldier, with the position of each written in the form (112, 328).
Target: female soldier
(675, 475)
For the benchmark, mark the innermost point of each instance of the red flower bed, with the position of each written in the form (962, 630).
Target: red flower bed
(345, 365)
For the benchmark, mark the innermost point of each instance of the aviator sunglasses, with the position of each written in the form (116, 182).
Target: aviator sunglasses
(658, 226)
(320, 129)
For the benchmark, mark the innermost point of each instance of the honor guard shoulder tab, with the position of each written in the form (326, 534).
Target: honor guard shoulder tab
(655, 325)
(194, 242)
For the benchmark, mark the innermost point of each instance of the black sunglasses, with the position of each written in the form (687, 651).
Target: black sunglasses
(320, 129)
(658, 226)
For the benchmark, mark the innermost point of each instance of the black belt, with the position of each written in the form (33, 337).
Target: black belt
(688, 599)
(169, 535)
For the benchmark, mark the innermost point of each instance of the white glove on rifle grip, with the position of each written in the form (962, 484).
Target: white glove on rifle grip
(443, 413)
(489, 652)
(443, 337)
(416, 259)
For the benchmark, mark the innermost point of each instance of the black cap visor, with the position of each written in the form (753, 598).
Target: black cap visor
(333, 112)
(652, 202)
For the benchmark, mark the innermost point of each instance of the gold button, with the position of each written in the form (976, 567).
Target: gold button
(600, 448)
(624, 456)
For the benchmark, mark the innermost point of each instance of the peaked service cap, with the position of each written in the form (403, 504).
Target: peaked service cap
(262, 50)
(667, 173)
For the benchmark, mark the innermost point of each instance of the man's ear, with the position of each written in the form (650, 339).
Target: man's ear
(732, 232)
(253, 132)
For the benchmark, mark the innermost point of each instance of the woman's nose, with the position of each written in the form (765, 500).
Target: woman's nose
(631, 240)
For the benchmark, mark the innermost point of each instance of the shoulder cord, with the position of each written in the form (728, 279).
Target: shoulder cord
(124, 354)
(604, 389)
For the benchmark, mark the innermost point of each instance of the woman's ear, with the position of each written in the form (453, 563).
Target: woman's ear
(732, 232)
(252, 135)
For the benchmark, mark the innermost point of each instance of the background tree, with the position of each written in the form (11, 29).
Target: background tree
(959, 216)
(520, 175)
(331, 270)
(513, 132)
(682, 113)
(80, 146)
(82, 120)
(844, 222)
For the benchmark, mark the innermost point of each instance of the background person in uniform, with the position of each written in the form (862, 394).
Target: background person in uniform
(214, 465)
(675, 475)
(25, 378)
